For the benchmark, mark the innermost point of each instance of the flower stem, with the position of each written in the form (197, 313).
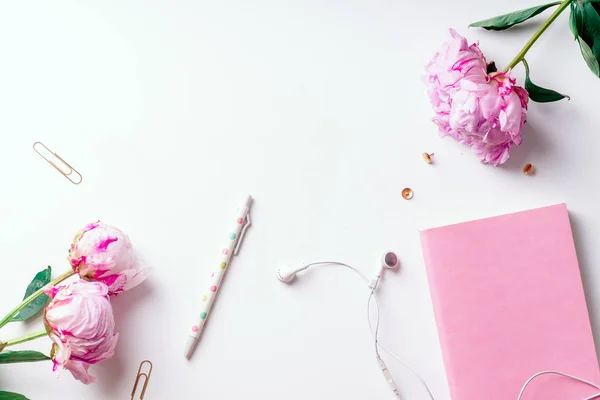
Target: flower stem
(537, 35)
(34, 296)
(25, 338)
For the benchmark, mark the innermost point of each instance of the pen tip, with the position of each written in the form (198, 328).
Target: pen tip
(189, 347)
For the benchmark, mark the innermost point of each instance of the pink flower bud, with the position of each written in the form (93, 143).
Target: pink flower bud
(103, 253)
(81, 325)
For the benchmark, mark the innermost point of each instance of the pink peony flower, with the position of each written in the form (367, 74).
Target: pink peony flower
(488, 117)
(486, 112)
(80, 323)
(101, 252)
(454, 62)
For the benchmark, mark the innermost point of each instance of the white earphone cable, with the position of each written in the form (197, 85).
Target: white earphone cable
(375, 332)
(597, 395)
(362, 276)
(378, 345)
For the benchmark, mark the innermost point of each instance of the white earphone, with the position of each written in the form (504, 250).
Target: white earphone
(287, 275)
(389, 260)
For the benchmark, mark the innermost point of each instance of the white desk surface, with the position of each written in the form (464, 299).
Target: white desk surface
(172, 110)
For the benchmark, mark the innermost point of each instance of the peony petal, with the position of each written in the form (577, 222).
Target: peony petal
(490, 104)
(510, 116)
(61, 352)
(50, 291)
(137, 277)
(79, 370)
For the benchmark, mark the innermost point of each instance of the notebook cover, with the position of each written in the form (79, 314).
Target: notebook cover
(508, 303)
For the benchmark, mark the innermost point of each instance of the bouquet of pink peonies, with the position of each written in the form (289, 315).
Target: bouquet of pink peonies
(78, 316)
(483, 108)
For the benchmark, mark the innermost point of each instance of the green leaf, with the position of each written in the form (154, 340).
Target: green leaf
(11, 396)
(575, 20)
(585, 24)
(590, 29)
(41, 279)
(11, 357)
(540, 94)
(589, 57)
(576, 16)
(505, 21)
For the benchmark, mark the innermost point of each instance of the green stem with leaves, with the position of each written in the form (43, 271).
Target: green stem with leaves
(519, 57)
(34, 296)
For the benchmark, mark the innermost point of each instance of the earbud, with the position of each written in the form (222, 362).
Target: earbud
(286, 274)
(389, 260)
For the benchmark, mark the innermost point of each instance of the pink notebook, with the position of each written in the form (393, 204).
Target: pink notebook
(508, 303)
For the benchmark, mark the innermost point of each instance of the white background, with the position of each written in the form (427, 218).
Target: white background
(173, 110)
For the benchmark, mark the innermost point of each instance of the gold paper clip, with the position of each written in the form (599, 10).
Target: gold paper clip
(146, 376)
(66, 170)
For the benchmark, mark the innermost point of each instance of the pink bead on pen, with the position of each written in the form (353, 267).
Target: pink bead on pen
(234, 240)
